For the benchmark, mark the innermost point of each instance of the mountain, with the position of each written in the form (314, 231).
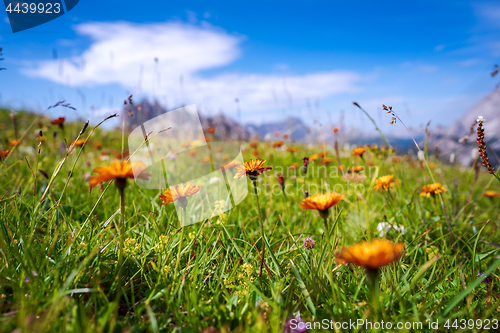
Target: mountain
(294, 127)
(460, 138)
(225, 127)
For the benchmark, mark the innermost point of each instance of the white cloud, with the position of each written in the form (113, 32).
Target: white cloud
(124, 53)
(119, 50)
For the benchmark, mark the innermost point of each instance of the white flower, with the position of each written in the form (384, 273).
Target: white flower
(452, 158)
(421, 155)
(480, 119)
(214, 180)
(172, 156)
(384, 227)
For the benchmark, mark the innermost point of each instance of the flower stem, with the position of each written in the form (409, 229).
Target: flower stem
(372, 276)
(261, 227)
(179, 249)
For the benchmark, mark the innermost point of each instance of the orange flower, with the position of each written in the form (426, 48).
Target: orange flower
(211, 130)
(292, 149)
(433, 189)
(293, 166)
(313, 157)
(205, 159)
(432, 165)
(41, 138)
(385, 182)
(179, 192)
(4, 153)
(321, 201)
(120, 170)
(79, 142)
(14, 142)
(254, 145)
(278, 144)
(356, 169)
(370, 163)
(326, 160)
(336, 130)
(491, 194)
(398, 159)
(285, 136)
(207, 139)
(97, 145)
(251, 169)
(373, 255)
(256, 153)
(358, 151)
(230, 165)
(322, 154)
(58, 121)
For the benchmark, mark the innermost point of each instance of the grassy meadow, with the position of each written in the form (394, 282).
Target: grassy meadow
(73, 261)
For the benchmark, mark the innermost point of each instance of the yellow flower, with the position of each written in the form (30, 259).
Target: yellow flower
(251, 169)
(491, 194)
(321, 201)
(313, 157)
(433, 189)
(377, 253)
(120, 171)
(131, 247)
(14, 142)
(178, 192)
(359, 151)
(385, 182)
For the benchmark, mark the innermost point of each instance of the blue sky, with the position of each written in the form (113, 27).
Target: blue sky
(430, 60)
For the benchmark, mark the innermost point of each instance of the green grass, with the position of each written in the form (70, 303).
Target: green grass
(59, 257)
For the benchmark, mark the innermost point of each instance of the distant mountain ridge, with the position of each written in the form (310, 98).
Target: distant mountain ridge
(446, 138)
(460, 141)
(226, 128)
